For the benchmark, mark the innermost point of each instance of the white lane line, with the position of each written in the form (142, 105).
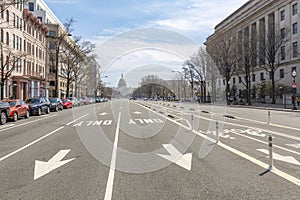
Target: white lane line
(15, 126)
(32, 143)
(68, 124)
(110, 181)
(250, 127)
(257, 140)
(278, 172)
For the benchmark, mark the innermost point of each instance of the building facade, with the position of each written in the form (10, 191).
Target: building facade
(258, 18)
(22, 52)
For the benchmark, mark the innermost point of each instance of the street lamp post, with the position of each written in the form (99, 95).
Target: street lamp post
(294, 86)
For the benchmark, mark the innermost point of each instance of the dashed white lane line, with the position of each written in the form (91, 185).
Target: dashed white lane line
(36, 141)
(110, 181)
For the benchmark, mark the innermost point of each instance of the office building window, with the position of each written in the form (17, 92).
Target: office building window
(14, 19)
(282, 53)
(253, 77)
(240, 79)
(295, 49)
(233, 81)
(31, 6)
(262, 76)
(2, 36)
(295, 28)
(281, 73)
(282, 33)
(7, 38)
(282, 15)
(7, 15)
(295, 9)
(52, 33)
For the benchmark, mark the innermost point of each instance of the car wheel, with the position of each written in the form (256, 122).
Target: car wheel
(56, 109)
(39, 112)
(48, 110)
(3, 118)
(27, 114)
(15, 117)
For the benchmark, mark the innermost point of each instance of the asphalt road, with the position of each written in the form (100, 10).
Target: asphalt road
(151, 150)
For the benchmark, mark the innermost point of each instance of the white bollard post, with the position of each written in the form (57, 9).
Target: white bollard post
(217, 131)
(270, 152)
(269, 117)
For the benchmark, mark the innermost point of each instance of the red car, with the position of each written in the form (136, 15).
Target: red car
(67, 103)
(18, 109)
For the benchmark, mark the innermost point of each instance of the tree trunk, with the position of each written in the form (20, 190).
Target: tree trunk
(227, 91)
(68, 86)
(273, 87)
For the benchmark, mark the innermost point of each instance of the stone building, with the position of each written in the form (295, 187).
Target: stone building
(257, 18)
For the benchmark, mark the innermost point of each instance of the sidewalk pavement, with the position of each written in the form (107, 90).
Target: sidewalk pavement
(267, 106)
(264, 106)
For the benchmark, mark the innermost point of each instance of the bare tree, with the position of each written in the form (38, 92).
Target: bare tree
(73, 58)
(197, 63)
(272, 49)
(11, 62)
(247, 61)
(224, 54)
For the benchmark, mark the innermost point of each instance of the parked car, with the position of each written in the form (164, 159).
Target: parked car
(74, 101)
(18, 109)
(56, 104)
(67, 103)
(38, 105)
(4, 112)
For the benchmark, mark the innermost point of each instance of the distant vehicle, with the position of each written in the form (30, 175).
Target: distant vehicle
(4, 112)
(56, 104)
(18, 109)
(85, 101)
(80, 101)
(74, 101)
(38, 105)
(67, 103)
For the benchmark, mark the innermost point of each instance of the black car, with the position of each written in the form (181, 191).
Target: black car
(56, 104)
(4, 112)
(38, 105)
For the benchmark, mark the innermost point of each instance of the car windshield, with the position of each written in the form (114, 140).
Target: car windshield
(65, 100)
(12, 103)
(53, 100)
(33, 100)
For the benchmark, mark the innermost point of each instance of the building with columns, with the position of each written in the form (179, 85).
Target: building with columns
(257, 18)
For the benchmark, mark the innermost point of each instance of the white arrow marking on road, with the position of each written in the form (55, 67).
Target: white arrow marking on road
(103, 114)
(288, 159)
(42, 168)
(175, 156)
(297, 146)
(137, 112)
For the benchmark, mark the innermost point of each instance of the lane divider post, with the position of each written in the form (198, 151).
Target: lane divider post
(270, 138)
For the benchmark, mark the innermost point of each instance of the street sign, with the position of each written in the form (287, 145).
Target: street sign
(294, 85)
(294, 73)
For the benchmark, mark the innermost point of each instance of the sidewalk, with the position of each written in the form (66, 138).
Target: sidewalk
(267, 106)
(264, 106)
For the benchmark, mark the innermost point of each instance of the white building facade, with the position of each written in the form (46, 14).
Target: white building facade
(258, 17)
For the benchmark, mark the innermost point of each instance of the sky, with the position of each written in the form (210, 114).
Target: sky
(132, 34)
